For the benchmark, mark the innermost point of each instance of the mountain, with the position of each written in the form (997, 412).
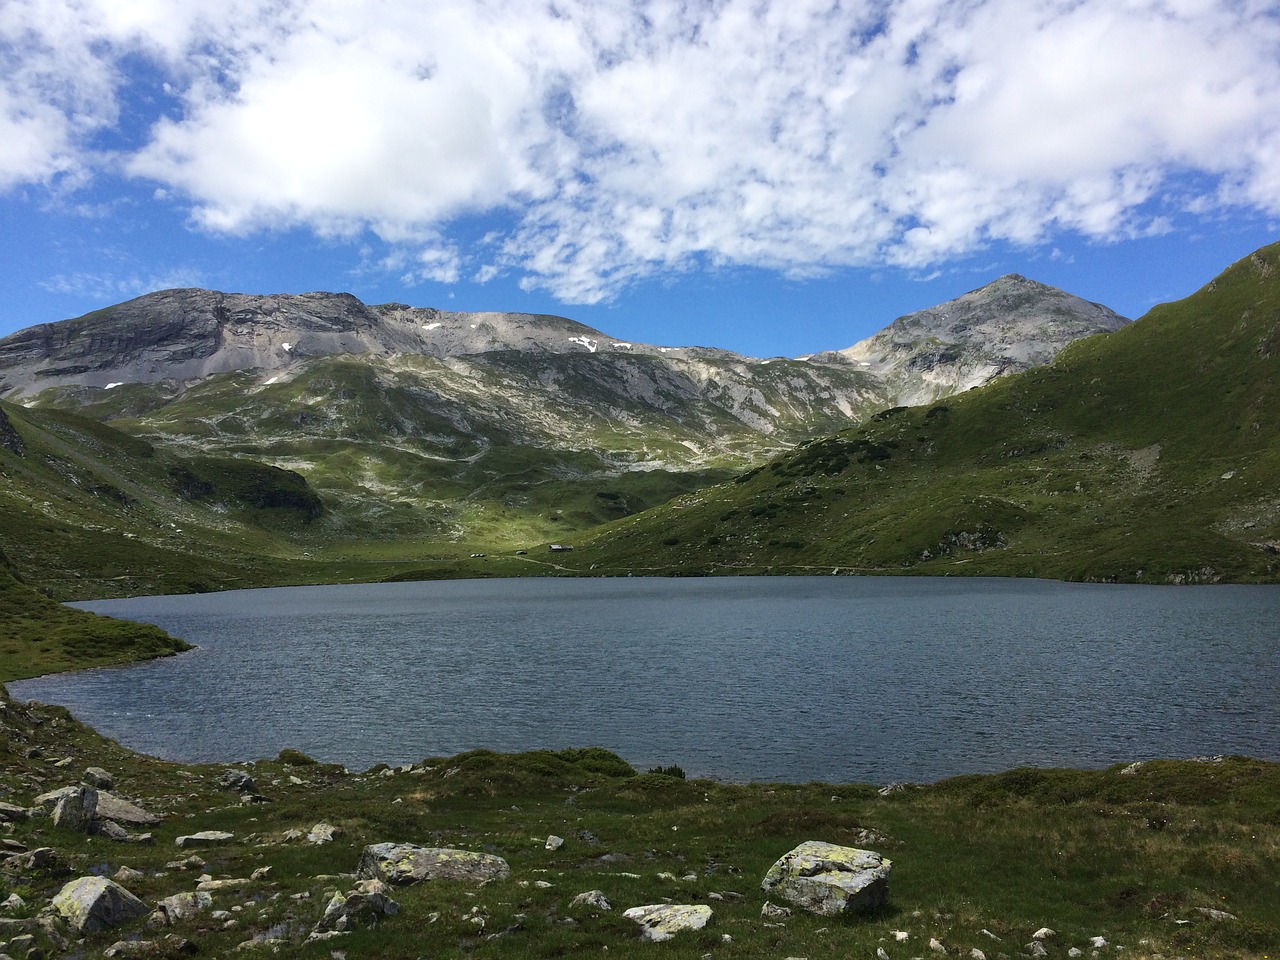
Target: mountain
(469, 432)
(1150, 455)
(1008, 326)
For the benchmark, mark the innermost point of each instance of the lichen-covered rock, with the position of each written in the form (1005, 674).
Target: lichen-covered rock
(360, 908)
(401, 863)
(662, 921)
(829, 880)
(91, 904)
(205, 838)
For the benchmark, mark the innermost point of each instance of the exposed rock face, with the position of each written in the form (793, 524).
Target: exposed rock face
(402, 863)
(664, 920)
(829, 880)
(1011, 324)
(91, 904)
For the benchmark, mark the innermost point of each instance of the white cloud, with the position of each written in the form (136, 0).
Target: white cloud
(625, 140)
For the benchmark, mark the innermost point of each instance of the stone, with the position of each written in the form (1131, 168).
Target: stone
(91, 904)
(238, 781)
(976, 954)
(1036, 948)
(132, 948)
(1097, 942)
(12, 903)
(9, 813)
(936, 946)
(402, 863)
(206, 838)
(595, 899)
(77, 810)
(323, 833)
(112, 830)
(1213, 914)
(830, 880)
(359, 909)
(127, 875)
(99, 779)
(1044, 933)
(183, 906)
(43, 860)
(771, 911)
(554, 842)
(47, 801)
(112, 807)
(229, 883)
(662, 921)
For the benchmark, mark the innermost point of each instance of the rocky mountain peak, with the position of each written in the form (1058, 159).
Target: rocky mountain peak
(1006, 326)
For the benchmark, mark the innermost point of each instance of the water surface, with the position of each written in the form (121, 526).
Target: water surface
(785, 679)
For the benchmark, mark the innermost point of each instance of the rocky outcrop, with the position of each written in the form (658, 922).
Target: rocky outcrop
(91, 904)
(402, 863)
(358, 909)
(830, 880)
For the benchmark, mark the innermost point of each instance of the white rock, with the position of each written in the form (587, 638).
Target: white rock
(592, 898)
(977, 954)
(1097, 942)
(936, 945)
(1044, 933)
(554, 842)
(662, 921)
(901, 936)
(206, 838)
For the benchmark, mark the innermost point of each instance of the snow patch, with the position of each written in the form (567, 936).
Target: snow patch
(435, 326)
(474, 325)
(585, 342)
(286, 347)
(622, 346)
(112, 386)
(267, 383)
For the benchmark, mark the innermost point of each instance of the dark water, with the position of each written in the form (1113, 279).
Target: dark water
(786, 679)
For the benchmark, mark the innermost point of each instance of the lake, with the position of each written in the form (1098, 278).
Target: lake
(840, 679)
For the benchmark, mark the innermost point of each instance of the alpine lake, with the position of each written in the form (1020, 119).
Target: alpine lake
(833, 679)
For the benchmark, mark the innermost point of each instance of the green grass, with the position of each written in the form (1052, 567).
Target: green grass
(1119, 853)
(39, 636)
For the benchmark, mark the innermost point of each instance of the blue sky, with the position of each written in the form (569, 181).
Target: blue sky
(775, 178)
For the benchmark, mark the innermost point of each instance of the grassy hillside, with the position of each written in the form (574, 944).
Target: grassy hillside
(39, 636)
(1150, 455)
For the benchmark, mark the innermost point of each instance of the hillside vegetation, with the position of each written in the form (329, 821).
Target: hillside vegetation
(1151, 455)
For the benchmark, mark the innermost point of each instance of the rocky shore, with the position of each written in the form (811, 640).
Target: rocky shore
(104, 852)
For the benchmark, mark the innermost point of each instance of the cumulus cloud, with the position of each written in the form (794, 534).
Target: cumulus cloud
(619, 141)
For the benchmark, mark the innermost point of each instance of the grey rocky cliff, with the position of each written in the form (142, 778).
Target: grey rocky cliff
(1007, 326)
(191, 334)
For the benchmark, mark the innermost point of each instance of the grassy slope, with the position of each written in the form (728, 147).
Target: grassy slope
(1133, 856)
(39, 636)
(1151, 454)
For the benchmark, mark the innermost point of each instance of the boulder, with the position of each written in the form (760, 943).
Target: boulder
(181, 906)
(43, 860)
(323, 833)
(662, 921)
(77, 810)
(360, 908)
(99, 779)
(401, 863)
(91, 904)
(829, 880)
(205, 838)
(49, 800)
(111, 807)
